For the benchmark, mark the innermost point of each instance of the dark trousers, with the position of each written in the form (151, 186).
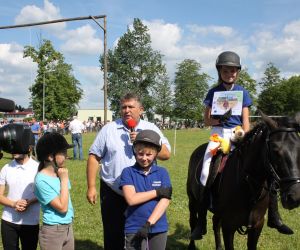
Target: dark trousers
(113, 207)
(11, 234)
(157, 241)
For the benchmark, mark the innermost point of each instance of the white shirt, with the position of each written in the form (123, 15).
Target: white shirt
(76, 127)
(20, 182)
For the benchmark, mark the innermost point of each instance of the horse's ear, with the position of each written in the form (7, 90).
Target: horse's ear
(269, 121)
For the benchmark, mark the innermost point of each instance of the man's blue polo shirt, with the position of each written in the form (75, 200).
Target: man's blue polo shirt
(234, 120)
(136, 216)
(35, 128)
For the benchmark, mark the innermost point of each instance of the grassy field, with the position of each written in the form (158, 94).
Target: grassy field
(87, 222)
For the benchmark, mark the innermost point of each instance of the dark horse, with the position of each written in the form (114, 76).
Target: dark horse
(268, 155)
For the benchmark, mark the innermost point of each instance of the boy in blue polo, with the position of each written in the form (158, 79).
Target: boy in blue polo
(147, 190)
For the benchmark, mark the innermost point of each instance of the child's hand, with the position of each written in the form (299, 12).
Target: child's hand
(225, 117)
(21, 205)
(62, 173)
(164, 192)
(144, 230)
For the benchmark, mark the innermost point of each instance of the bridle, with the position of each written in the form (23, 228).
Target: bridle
(283, 183)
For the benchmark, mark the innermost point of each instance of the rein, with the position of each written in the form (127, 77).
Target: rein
(282, 182)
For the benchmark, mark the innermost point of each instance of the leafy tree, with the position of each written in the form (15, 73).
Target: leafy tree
(190, 89)
(271, 76)
(163, 98)
(271, 99)
(19, 108)
(133, 66)
(55, 80)
(248, 83)
(291, 88)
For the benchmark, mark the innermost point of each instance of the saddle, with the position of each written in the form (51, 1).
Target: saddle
(216, 166)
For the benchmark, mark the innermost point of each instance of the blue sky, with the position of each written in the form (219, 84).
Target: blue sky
(261, 31)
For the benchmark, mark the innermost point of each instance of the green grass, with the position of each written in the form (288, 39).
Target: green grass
(87, 221)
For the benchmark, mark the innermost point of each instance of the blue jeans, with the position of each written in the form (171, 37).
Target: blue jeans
(77, 141)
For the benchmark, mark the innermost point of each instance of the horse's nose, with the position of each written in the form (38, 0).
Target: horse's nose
(291, 199)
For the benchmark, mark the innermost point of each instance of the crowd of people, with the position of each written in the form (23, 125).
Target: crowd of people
(60, 126)
(135, 191)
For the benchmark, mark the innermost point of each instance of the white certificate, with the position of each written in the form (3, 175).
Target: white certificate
(225, 100)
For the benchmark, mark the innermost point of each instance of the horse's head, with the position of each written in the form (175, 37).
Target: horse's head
(283, 154)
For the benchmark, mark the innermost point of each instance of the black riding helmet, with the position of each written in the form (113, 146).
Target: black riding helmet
(16, 138)
(149, 137)
(228, 58)
(51, 144)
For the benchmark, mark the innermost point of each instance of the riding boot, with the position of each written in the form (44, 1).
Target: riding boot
(274, 219)
(200, 228)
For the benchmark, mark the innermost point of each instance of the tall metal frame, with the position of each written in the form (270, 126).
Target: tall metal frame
(78, 19)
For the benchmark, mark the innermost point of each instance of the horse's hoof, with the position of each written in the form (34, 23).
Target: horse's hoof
(197, 234)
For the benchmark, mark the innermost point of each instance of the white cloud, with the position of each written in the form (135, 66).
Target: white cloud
(292, 29)
(165, 37)
(82, 40)
(17, 73)
(91, 74)
(32, 14)
(92, 80)
(223, 31)
(281, 48)
(177, 44)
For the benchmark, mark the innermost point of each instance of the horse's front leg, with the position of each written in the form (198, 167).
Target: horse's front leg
(217, 231)
(257, 222)
(193, 219)
(228, 237)
(253, 236)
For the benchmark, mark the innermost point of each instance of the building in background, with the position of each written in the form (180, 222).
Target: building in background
(93, 115)
(19, 116)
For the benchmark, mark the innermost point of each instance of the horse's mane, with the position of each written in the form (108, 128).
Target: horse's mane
(251, 134)
(280, 122)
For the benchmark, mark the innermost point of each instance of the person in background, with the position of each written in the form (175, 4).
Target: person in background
(76, 128)
(147, 190)
(36, 130)
(21, 211)
(52, 190)
(113, 147)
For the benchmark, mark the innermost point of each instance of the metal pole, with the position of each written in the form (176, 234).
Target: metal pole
(52, 21)
(76, 19)
(44, 98)
(105, 72)
(105, 64)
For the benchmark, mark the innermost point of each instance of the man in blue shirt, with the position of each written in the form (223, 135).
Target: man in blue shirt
(113, 146)
(36, 130)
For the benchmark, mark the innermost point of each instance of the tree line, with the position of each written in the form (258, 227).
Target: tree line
(134, 66)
